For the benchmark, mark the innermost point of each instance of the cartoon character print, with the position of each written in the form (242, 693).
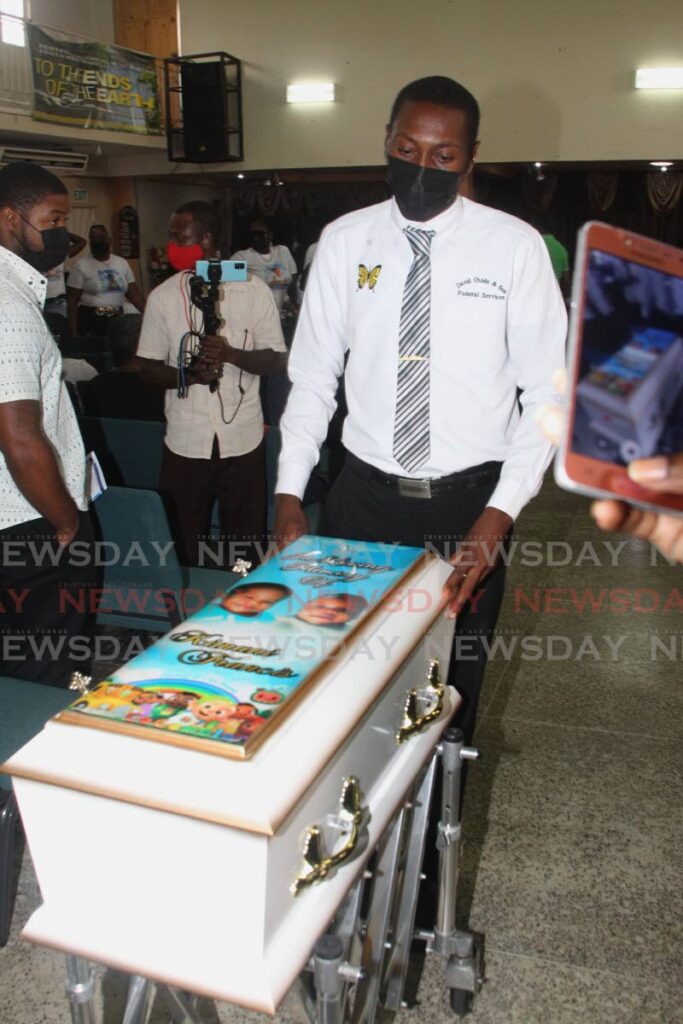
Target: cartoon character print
(143, 703)
(267, 697)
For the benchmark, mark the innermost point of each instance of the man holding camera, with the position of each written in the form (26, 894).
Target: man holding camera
(214, 446)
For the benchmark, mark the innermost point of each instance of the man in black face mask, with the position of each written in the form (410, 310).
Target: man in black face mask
(274, 264)
(43, 507)
(437, 310)
(99, 284)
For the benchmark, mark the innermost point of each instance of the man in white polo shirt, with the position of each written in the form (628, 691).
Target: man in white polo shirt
(437, 311)
(214, 445)
(43, 589)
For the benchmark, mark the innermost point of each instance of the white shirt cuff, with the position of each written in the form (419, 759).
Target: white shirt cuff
(509, 497)
(292, 478)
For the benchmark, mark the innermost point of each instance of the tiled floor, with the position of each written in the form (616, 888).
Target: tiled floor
(572, 861)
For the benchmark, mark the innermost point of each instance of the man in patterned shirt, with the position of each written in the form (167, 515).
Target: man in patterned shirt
(43, 509)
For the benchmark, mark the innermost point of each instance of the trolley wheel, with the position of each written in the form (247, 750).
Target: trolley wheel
(461, 1001)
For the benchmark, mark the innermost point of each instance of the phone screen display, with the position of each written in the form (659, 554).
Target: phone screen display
(629, 380)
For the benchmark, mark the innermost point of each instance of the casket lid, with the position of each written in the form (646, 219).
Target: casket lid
(225, 680)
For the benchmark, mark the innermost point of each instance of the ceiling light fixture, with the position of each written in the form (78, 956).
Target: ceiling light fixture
(659, 78)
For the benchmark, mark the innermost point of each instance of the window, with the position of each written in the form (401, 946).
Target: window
(12, 22)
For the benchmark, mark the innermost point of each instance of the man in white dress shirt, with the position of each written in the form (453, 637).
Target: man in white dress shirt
(442, 309)
(44, 575)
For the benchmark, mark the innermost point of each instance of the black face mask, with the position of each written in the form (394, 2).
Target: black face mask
(259, 241)
(56, 244)
(421, 192)
(100, 250)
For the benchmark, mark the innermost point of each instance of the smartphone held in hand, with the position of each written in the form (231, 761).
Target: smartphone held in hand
(625, 365)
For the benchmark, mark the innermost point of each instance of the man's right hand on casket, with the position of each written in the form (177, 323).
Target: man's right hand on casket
(290, 519)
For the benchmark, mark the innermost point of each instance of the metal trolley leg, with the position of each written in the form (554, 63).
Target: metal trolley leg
(141, 993)
(80, 989)
(464, 968)
(387, 926)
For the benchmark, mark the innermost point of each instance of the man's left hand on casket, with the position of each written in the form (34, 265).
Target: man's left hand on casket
(290, 519)
(476, 557)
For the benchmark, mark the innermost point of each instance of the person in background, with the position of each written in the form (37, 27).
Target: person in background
(43, 504)
(55, 309)
(55, 296)
(98, 286)
(559, 257)
(121, 392)
(274, 264)
(214, 447)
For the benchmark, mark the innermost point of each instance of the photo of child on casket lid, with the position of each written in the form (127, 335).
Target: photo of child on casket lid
(279, 631)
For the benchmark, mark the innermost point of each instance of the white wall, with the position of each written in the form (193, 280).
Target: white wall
(555, 81)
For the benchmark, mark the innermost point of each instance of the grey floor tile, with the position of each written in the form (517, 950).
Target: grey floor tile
(544, 775)
(525, 990)
(585, 896)
(612, 696)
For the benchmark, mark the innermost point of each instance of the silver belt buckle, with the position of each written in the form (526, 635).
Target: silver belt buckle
(414, 488)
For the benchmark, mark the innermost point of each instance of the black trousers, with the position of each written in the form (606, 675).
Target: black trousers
(91, 324)
(46, 597)
(359, 508)
(191, 486)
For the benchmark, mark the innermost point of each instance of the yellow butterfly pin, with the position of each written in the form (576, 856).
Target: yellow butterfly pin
(369, 277)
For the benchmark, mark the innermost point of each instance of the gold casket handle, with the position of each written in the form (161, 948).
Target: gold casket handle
(433, 692)
(318, 864)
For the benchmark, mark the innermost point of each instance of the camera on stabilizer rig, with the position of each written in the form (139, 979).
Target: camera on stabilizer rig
(205, 295)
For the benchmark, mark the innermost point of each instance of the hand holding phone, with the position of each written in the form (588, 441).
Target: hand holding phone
(625, 371)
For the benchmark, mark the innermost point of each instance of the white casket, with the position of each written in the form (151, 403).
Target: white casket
(628, 397)
(208, 849)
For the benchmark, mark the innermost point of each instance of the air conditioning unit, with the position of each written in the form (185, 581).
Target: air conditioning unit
(53, 159)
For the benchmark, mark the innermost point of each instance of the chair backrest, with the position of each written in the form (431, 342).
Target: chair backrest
(143, 581)
(129, 450)
(26, 708)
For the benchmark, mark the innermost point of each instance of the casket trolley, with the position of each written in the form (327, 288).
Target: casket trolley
(208, 857)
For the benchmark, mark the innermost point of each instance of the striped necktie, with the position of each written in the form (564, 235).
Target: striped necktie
(411, 424)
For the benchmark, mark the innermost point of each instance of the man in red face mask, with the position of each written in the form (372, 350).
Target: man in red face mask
(214, 438)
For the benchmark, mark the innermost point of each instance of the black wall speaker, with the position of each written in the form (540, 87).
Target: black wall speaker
(205, 112)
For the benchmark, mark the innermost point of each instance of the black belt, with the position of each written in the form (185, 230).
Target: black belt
(408, 487)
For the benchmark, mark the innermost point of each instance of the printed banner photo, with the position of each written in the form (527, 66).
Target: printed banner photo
(226, 674)
(93, 85)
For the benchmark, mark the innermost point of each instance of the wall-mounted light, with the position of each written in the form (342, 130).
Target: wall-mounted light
(240, 175)
(310, 92)
(663, 165)
(659, 78)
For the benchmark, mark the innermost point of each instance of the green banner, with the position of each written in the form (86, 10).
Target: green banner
(93, 85)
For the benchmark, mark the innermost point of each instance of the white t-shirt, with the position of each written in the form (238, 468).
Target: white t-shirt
(31, 369)
(250, 321)
(101, 282)
(56, 283)
(275, 268)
